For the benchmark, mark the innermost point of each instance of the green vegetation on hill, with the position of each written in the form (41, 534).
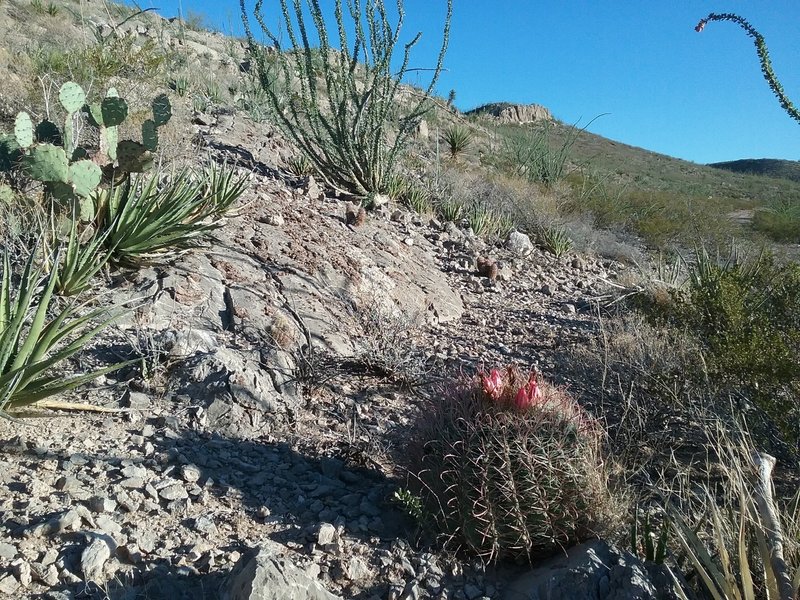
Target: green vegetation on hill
(769, 167)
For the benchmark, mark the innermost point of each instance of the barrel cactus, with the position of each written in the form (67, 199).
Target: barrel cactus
(510, 467)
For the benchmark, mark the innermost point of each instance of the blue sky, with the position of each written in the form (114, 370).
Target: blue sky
(698, 96)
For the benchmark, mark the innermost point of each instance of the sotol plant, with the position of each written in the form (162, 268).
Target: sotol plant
(340, 101)
(510, 467)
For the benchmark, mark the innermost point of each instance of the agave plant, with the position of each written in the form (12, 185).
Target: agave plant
(36, 336)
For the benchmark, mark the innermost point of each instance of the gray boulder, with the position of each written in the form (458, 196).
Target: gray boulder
(594, 571)
(262, 574)
(519, 243)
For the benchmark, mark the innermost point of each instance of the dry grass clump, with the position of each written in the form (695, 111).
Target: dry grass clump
(730, 535)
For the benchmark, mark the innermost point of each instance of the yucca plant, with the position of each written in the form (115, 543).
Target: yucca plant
(37, 336)
(82, 257)
(481, 219)
(457, 138)
(221, 187)
(554, 239)
(150, 222)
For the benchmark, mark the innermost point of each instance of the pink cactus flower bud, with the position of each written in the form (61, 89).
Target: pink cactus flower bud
(493, 384)
(528, 394)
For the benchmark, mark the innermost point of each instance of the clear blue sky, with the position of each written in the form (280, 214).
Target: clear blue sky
(698, 96)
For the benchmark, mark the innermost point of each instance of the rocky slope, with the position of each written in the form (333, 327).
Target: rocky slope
(240, 437)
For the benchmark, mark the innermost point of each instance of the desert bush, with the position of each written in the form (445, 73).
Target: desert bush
(384, 345)
(745, 312)
(38, 336)
(510, 468)
(343, 108)
(780, 221)
(112, 57)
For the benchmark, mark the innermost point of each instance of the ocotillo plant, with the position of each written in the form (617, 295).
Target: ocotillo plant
(763, 57)
(339, 101)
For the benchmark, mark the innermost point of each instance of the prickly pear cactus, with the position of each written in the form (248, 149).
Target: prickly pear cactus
(133, 157)
(10, 152)
(47, 163)
(85, 176)
(47, 133)
(68, 171)
(150, 135)
(23, 130)
(162, 110)
(72, 97)
(114, 111)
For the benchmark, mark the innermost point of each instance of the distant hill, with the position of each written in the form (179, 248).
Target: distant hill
(771, 167)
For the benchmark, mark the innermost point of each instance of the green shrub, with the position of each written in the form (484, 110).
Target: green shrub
(781, 222)
(510, 468)
(339, 102)
(745, 311)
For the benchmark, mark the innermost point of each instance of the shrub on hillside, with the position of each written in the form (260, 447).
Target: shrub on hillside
(510, 468)
(745, 312)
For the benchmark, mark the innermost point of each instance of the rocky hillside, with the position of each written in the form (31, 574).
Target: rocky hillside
(257, 443)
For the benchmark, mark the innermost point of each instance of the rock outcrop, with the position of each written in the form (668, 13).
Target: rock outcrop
(263, 574)
(514, 113)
